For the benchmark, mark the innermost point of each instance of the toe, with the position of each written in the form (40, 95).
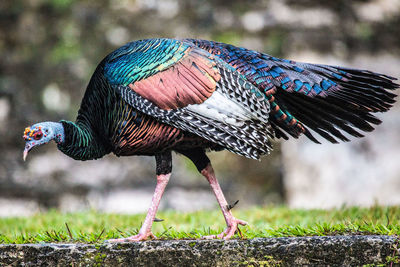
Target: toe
(209, 237)
(135, 238)
(242, 222)
(116, 240)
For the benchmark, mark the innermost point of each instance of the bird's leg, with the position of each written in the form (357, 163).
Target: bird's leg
(203, 164)
(231, 222)
(163, 169)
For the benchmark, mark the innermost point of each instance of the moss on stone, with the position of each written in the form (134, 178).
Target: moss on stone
(331, 250)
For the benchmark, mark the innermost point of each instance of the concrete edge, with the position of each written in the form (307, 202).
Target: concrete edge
(284, 251)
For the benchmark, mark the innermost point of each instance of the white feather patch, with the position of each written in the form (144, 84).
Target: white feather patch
(221, 108)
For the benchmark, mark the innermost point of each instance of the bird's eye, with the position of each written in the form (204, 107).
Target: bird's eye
(37, 136)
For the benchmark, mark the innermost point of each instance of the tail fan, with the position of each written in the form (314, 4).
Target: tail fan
(326, 99)
(343, 100)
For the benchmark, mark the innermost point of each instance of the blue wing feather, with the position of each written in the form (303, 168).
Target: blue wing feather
(321, 97)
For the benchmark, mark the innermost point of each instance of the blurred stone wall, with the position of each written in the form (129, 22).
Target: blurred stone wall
(362, 172)
(49, 49)
(365, 171)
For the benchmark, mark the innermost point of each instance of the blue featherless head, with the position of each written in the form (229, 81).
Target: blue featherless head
(42, 133)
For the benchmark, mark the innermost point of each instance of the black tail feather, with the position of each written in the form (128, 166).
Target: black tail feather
(347, 108)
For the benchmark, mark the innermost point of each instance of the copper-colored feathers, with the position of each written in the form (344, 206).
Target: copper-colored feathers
(138, 134)
(190, 81)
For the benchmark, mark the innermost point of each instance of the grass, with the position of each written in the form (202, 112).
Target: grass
(95, 227)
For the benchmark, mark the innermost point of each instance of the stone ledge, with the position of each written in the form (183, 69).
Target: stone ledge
(285, 251)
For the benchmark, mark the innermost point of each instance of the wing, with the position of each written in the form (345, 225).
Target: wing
(324, 98)
(184, 86)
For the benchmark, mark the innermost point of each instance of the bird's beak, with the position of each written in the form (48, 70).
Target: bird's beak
(26, 150)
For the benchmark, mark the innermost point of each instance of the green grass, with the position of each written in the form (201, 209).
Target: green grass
(94, 227)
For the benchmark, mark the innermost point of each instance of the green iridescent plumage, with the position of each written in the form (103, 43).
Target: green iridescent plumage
(141, 59)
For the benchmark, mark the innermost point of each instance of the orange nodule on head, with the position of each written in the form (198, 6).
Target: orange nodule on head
(28, 134)
(33, 137)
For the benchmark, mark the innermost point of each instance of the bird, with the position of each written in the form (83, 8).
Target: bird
(156, 96)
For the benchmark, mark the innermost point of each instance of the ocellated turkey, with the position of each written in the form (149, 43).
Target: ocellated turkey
(155, 96)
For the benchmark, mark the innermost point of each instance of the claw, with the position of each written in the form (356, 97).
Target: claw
(134, 238)
(229, 231)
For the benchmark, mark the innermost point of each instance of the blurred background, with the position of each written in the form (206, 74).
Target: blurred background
(49, 49)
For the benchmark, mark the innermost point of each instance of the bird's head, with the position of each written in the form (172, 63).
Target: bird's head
(42, 133)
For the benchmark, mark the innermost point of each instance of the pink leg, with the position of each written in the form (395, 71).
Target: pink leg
(145, 230)
(231, 221)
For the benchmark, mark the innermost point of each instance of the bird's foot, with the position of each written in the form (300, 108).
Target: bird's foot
(134, 238)
(229, 231)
